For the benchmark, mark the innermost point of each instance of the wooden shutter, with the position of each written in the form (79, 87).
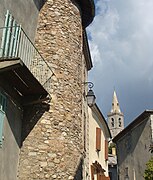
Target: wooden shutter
(103, 177)
(92, 172)
(106, 150)
(98, 139)
(98, 176)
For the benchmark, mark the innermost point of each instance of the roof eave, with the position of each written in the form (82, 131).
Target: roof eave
(96, 109)
(87, 10)
(87, 51)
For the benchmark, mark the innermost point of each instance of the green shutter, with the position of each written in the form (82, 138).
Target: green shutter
(2, 103)
(10, 38)
(1, 126)
(2, 115)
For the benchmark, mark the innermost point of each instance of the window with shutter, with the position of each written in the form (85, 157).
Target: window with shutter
(92, 172)
(98, 139)
(10, 37)
(106, 150)
(2, 115)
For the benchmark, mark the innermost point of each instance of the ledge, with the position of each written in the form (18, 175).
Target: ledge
(18, 76)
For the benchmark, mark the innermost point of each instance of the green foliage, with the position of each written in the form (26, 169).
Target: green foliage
(148, 174)
(110, 148)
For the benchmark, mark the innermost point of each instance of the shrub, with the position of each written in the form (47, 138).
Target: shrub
(148, 174)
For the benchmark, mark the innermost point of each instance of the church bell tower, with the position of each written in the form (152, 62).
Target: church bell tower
(115, 117)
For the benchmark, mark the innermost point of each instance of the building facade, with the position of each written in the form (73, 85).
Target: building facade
(45, 116)
(115, 117)
(133, 145)
(112, 166)
(12, 89)
(99, 135)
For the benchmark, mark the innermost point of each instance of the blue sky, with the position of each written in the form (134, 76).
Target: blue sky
(121, 44)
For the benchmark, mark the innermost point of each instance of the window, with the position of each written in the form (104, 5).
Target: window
(106, 150)
(112, 122)
(2, 115)
(97, 171)
(98, 139)
(119, 121)
(92, 172)
(10, 37)
(126, 174)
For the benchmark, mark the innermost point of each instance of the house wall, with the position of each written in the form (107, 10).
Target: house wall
(25, 13)
(133, 151)
(94, 155)
(9, 152)
(54, 147)
(113, 172)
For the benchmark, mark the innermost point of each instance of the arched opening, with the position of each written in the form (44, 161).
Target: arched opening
(112, 122)
(119, 122)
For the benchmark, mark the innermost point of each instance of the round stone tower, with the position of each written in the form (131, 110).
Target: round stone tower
(53, 141)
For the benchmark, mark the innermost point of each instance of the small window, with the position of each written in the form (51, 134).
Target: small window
(112, 122)
(106, 150)
(126, 173)
(92, 172)
(98, 139)
(119, 121)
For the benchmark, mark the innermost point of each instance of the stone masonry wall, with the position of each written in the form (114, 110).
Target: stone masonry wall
(53, 139)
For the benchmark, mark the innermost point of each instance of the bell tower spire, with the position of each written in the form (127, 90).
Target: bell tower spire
(115, 104)
(115, 117)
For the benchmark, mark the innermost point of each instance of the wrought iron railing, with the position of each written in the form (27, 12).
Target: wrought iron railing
(16, 44)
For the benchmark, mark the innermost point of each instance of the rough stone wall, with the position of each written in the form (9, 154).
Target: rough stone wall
(85, 124)
(53, 139)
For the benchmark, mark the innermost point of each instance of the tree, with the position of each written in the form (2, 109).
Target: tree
(148, 174)
(112, 145)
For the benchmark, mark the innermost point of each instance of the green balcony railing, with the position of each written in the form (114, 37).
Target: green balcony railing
(16, 44)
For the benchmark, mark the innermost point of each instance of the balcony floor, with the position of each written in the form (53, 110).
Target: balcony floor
(19, 76)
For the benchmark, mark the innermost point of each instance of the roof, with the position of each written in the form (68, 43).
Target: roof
(115, 104)
(96, 109)
(87, 51)
(142, 117)
(88, 11)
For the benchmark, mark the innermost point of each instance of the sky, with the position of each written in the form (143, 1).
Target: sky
(121, 46)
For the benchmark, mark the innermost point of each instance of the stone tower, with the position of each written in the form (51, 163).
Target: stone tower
(55, 144)
(115, 117)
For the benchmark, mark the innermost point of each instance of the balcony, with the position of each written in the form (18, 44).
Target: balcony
(22, 66)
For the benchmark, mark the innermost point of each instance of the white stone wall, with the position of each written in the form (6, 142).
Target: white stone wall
(94, 122)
